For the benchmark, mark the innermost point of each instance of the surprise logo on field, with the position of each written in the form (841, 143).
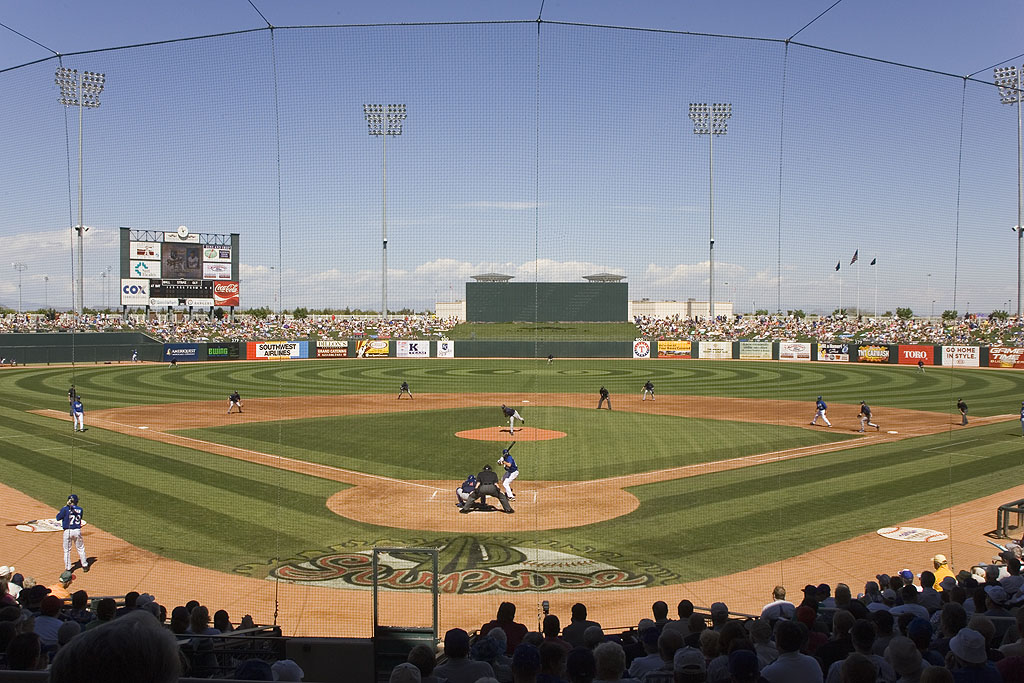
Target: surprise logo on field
(469, 565)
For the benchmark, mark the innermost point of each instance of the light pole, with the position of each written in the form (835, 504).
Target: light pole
(711, 120)
(21, 268)
(81, 90)
(384, 120)
(46, 291)
(1008, 80)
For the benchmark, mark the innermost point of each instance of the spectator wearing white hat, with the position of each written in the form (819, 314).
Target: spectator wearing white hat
(286, 670)
(7, 574)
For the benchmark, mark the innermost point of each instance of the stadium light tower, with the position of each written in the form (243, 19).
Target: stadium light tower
(81, 90)
(21, 268)
(384, 120)
(1008, 80)
(711, 120)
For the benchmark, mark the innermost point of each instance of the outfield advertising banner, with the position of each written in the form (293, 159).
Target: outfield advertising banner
(755, 350)
(134, 292)
(222, 352)
(641, 348)
(961, 356)
(178, 352)
(372, 348)
(674, 349)
(277, 350)
(331, 348)
(446, 349)
(873, 354)
(834, 352)
(910, 354)
(714, 350)
(405, 348)
(794, 350)
(1006, 357)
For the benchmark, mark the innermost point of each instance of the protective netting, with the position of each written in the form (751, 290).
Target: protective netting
(546, 151)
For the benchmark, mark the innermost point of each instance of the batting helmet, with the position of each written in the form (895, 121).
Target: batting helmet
(504, 451)
(73, 499)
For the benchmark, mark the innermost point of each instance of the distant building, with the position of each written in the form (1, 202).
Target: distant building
(690, 308)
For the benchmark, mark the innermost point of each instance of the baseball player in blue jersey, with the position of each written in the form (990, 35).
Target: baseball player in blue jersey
(70, 518)
(78, 414)
(234, 401)
(404, 389)
(464, 490)
(135, 355)
(819, 411)
(648, 389)
(865, 417)
(512, 414)
(511, 470)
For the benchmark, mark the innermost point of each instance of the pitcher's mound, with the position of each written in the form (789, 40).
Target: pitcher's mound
(501, 434)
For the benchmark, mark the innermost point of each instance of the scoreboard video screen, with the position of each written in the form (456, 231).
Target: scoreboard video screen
(180, 268)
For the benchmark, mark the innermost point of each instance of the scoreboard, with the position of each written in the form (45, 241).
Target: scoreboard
(179, 268)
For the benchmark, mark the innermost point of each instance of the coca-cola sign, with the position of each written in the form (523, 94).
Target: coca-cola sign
(225, 294)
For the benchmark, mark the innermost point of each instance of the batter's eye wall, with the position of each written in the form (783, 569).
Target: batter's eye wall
(500, 302)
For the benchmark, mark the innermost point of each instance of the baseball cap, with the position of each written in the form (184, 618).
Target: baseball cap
(907, 575)
(689, 660)
(287, 670)
(144, 599)
(5, 570)
(405, 673)
(948, 583)
(889, 594)
(719, 608)
(939, 559)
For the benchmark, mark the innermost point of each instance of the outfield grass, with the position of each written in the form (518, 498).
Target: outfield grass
(423, 445)
(232, 515)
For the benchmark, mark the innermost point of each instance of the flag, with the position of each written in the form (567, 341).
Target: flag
(837, 264)
(854, 259)
(873, 261)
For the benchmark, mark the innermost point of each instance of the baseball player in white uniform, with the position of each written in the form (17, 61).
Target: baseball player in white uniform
(511, 471)
(70, 518)
(648, 389)
(819, 411)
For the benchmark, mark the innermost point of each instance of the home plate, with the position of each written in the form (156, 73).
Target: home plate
(892, 432)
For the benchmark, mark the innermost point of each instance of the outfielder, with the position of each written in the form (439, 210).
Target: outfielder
(404, 389)
(234, 401)
(78, 414)
(648, 389)
(511, 470)
(135, 355)
(512, 414)
(465, 489)
(819, 411)
(865, 417)
(70, 518)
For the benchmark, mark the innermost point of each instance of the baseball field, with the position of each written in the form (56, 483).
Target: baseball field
(275, 510)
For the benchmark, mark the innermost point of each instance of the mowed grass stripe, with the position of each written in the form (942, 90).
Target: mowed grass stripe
(423, 445)
(988, 392)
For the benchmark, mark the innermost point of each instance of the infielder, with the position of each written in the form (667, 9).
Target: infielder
(234, 401)
(464, 490)
(70, 518)
(511, 470)
(962, 407)
(604, 397)
(512, 414)
(648, 389)
(78, 414)
(404, 389)
(1022, 418)
(819, 411)
(865, 417)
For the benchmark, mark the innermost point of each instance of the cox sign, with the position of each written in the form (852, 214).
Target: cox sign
(134, 292)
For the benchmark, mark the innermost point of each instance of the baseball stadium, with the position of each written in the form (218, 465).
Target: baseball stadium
(398, 323)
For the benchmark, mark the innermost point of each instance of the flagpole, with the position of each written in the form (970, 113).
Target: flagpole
(841, 293)
(874, 262)
(858, 290)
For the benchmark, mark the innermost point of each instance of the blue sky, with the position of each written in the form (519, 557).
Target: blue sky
(585, 164)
